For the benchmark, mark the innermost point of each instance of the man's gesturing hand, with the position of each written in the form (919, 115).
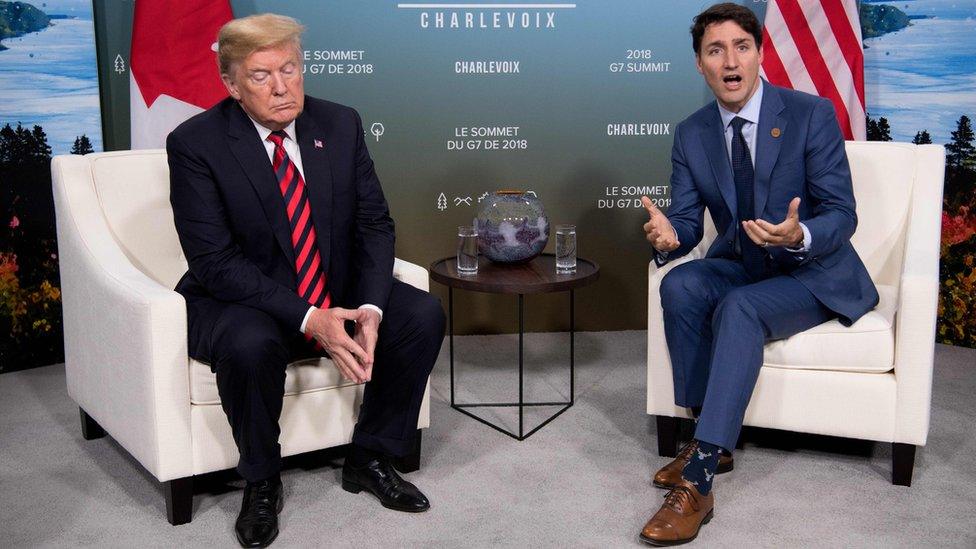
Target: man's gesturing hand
(327, 326)
(658, 229)
(367, 331)
(788, 233)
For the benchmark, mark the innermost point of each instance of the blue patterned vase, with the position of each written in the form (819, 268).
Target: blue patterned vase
(512, 227)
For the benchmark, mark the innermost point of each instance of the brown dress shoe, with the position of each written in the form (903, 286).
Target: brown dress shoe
(679, 519)
(670, 475)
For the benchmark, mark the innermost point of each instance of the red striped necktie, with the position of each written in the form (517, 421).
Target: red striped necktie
(308, 262)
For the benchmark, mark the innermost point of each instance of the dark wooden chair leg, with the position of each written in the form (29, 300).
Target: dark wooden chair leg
(179, 500)
(686, 429)
(410, 462)
(667, 436)
(90, 429)
(902, 463)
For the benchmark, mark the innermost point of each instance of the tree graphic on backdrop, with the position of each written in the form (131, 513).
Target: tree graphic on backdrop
(957, 273)
(878, 130)
(922, 138)
(957, 296)
(82, 145)
(960, 152)
(30, 295)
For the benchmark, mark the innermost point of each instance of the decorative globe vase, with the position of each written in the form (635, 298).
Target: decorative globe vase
(512, 227)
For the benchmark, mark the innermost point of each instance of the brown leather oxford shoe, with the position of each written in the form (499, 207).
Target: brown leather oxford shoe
(670, 475)
(680, 518)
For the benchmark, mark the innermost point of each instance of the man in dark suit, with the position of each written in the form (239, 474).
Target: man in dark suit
(289, 240)
(769, 165)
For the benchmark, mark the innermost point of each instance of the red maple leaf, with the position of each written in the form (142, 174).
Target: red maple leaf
(172, 50)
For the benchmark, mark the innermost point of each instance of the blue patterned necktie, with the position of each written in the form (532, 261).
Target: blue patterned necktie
(744, 177)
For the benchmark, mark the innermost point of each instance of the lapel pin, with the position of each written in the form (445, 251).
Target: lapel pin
(775, 132)
(319, 144)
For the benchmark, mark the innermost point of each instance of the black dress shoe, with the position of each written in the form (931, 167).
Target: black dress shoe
(257, 525)
(380, 479)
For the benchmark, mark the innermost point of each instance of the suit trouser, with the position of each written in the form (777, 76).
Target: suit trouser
(716, 321)
(250, 350)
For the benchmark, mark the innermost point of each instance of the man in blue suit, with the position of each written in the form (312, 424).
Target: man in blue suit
(769, 165)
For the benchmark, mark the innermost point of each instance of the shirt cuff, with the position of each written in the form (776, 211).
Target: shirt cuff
(372, 307)
(664, 255)
(365, 306)
(806, 241)
(305, 320)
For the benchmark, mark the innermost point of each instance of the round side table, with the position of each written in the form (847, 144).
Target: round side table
(537, 276)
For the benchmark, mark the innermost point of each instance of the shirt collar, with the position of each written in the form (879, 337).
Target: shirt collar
(263, 132)
(750, 112)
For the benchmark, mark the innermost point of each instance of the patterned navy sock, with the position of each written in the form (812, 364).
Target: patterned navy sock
(701, 468)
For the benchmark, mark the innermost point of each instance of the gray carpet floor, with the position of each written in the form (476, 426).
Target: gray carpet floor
(581, 481)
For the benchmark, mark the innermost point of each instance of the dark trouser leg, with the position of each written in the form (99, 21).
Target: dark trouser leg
(689, 295)
(410, 338)
(410, 461)
(743, 321)
(249, 353)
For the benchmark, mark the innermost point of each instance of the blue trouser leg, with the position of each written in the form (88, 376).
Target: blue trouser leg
(743, 321)
(689, 294)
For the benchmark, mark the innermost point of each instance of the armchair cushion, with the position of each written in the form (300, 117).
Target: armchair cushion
(866, 346)
(302, 376)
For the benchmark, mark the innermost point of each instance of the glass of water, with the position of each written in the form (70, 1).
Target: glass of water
(565, 248)
(467, 250)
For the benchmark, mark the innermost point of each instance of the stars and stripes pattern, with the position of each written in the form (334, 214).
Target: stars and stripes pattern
(308, 262)
(815, 46)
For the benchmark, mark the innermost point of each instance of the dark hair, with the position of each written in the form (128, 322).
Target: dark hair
(720, 13)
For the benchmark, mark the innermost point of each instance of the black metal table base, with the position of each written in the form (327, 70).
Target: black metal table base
(521, 404)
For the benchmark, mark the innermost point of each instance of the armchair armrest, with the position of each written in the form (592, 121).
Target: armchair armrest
(125, 334)
(918, 299)
(416, 276)
(411, 274)
(660, 383)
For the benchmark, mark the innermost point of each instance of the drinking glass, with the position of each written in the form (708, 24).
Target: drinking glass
(467, 250)
(565, 248)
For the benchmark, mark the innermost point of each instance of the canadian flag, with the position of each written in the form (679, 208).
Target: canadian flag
(173, 68)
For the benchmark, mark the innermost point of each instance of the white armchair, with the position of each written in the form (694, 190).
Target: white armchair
(872, 380)
(125, 333)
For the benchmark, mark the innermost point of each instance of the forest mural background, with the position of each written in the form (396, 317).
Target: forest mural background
(48, 105)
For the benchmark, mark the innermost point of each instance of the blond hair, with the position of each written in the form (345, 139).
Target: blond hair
(239, 38)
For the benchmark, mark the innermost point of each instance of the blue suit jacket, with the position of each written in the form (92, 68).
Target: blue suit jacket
(807, 159)
(232, 224)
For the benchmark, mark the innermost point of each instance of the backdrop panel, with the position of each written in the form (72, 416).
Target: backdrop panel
(574, 101)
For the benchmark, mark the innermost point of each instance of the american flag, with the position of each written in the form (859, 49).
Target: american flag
(815, 46)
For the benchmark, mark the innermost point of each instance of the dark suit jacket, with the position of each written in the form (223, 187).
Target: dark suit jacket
(231, 218)
(807, 159)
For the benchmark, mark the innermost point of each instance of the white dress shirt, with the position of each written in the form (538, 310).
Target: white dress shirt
(295, 154)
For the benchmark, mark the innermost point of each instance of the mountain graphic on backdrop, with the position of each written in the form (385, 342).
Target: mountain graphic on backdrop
(18, 18)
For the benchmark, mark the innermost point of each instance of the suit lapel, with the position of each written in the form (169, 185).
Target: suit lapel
(713, 139)
(253, 158)
(768, 146)
(318, 180)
